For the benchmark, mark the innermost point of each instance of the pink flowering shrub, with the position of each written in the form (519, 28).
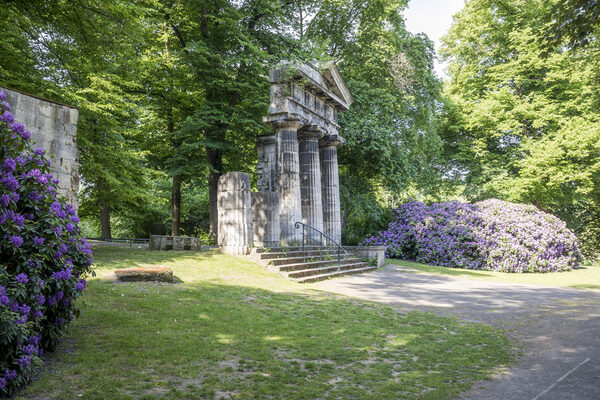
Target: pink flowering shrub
(492, 235)
(43, 257)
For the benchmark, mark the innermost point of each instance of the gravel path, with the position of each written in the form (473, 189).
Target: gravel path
(559, 328)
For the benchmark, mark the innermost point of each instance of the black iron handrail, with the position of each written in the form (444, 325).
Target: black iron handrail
(322, 244)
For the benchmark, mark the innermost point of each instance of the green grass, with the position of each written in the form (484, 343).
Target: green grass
(585, 277)
(230, 329)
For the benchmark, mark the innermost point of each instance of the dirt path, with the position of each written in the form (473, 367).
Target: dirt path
(559, 328)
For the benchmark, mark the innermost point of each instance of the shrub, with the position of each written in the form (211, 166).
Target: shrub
(42, 257)
(491, 235)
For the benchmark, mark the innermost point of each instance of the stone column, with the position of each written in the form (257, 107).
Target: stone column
(265, 219)
(266, 169)
(234, 204)
(288, 182)
(310, 179)
(330, 187)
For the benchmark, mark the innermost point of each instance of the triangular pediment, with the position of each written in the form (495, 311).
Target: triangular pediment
(326, 81)
(335, 83)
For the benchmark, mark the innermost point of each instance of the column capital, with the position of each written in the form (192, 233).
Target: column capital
(311, 132)
(264, 140)
(332, 141)
(284, 120)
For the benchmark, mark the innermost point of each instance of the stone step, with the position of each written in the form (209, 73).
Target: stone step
(320, 277)
(302, 259)
(299, 253)
(259, 250)
(324, 270)
(313, 264)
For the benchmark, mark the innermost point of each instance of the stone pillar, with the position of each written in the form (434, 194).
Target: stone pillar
(288, 182)
(234, 205)
(266, 169)
(265, 219)
(330, 187)
(310, 179)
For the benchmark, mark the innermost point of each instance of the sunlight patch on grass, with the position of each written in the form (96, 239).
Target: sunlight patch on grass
(585, 277)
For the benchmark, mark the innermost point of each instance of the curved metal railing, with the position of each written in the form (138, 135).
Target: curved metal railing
(322, 244)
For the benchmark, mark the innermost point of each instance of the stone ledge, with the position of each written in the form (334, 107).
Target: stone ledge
(152, 273)
(366, 252)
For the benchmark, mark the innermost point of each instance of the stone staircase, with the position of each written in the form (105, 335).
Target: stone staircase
(309, 265)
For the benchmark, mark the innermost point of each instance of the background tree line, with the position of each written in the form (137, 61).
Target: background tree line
(171, 95)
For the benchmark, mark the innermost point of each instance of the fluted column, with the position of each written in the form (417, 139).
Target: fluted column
(234, 202)
(310, 178)
(266, 168)
(288, 180)
(330, 187)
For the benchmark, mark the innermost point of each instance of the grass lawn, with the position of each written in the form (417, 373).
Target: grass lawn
(230, 329)
(585, 277)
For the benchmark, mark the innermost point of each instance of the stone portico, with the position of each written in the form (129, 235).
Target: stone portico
(297, 166)
(299, 161)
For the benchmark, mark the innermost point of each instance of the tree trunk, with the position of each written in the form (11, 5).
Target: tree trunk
(215, 160)
(105, 222)
(176, 187)
(176, 203)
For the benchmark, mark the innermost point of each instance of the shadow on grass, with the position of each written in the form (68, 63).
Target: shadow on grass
(205, 339)
(584, 286)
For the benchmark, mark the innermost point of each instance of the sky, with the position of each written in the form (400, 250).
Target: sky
(432, 17)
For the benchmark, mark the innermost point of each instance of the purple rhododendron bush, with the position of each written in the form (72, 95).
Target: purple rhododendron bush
(491, 235)
(43, 257)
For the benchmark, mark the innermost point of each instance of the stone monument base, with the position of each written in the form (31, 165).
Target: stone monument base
(156, 273)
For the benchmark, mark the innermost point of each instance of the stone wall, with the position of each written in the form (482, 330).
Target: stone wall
(165, 243)
(53, 126)
(376, 253)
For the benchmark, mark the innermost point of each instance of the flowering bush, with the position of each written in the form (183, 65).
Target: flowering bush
(492, 235)
(42, 256)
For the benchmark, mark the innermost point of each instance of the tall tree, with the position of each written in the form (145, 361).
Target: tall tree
(523, 121)
(83, 52)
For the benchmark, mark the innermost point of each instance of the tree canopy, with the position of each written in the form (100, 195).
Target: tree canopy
(176, 90)
(171, 95)
(522, 123)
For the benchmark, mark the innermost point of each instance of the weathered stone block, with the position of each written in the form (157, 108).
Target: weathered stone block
(53, 126)
(266, 168)
(165, 243)
(265, 219)
(157, 273)
(376, 253)
(234, 182)
(234, 208)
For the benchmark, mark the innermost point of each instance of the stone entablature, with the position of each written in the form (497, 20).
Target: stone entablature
(301, 92)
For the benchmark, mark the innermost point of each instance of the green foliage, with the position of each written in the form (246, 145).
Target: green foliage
(362, 214)
(522, 123)
(179, 89)
(43, 257)
(574, 21)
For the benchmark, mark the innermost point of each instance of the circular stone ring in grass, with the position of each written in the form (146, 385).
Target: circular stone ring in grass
(158, 273)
